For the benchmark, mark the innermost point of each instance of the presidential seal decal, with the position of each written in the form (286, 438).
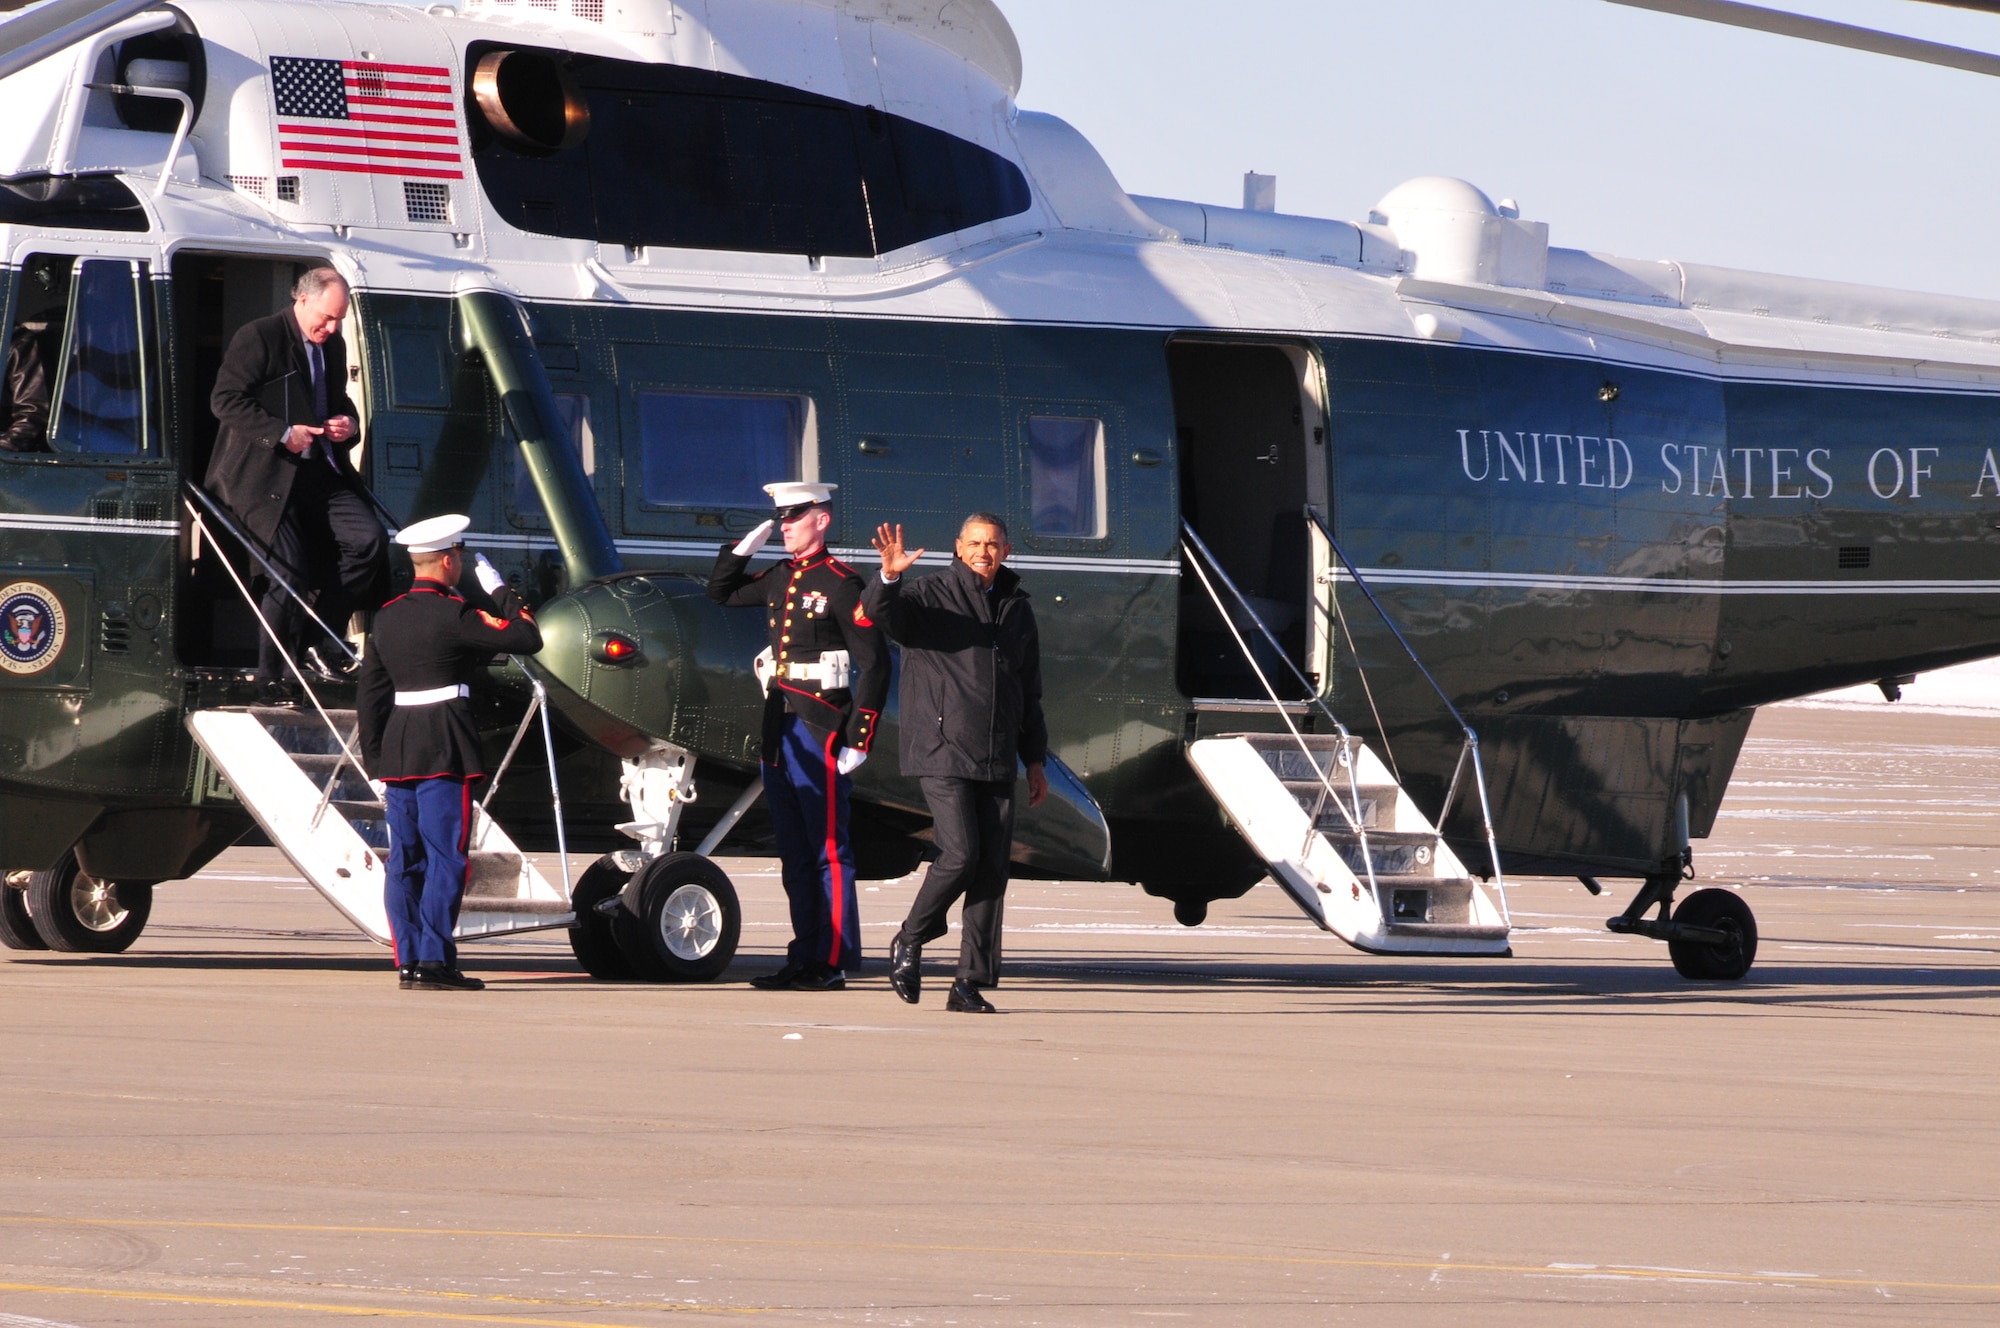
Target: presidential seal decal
(32, 627)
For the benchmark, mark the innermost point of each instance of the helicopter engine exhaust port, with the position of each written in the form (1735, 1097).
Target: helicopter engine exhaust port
(530, 101)
(1712, 936)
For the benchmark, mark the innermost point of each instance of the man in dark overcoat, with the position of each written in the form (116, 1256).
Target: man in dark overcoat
(281, 467)
(825, 680)
(419, 741)
(971, 706)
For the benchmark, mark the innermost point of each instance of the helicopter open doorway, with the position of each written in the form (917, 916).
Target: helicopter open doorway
(1250, 421)
(214, 296)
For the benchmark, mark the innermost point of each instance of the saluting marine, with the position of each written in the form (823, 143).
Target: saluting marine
(418, 739)
(825, 676)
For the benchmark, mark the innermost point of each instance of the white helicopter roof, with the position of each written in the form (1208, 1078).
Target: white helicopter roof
(1436, 259)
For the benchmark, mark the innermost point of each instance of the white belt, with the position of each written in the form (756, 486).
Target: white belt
(434, 695)
(834, 671)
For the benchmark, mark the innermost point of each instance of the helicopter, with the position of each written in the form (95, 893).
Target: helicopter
(1382, 558)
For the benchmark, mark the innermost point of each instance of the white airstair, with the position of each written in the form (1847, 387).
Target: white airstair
(295, 773)
(1331, 822)
(1350, 848)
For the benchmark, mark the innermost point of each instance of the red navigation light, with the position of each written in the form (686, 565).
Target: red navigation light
(616, 648)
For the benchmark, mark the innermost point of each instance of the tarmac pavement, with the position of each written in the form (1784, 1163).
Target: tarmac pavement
(243, 1121)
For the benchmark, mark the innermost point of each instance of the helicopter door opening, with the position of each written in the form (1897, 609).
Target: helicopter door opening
(1252, 445)
(214, 296)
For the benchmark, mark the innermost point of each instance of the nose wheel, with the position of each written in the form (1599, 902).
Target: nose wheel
(1711, 937)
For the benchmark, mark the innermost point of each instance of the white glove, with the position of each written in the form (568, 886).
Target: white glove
(747, 546)
(488, 576)
(849, 760)
(379, 789)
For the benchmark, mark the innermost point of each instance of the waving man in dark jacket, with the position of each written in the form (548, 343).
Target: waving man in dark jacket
(971, 705)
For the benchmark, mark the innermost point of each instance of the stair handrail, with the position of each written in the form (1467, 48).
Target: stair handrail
(346, 751)
(223, 519)
(1471, 747)
(1190, 544)
(538, 706)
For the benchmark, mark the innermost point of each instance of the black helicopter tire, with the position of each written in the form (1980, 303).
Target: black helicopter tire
(688, 924)
(590, 936)
(1190, 912)
(1723, 911)
(17, 929)
(78, 914)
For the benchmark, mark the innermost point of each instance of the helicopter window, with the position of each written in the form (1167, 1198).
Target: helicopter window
(1066, 475)
(574, 408)
(663, 155)
(102, 403)
(718, 449)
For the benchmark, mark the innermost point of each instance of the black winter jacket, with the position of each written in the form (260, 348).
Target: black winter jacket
(428, 639)
(263, 388)
(971, 695)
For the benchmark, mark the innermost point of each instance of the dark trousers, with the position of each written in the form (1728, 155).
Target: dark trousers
(430, 821)
(974, 828)
(808, 796)
(329, 539)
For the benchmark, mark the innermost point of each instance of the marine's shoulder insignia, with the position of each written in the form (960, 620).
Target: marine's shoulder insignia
(861, 618)
(495, 623)
(842, 569)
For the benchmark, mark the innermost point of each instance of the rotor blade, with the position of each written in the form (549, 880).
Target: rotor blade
(1780, 23)
(42, 31)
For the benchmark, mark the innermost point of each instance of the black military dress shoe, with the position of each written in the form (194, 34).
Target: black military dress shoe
(820, 977)
(906, 968)
(436, 977)
(406, 976)
(965, 998)
(779, 979)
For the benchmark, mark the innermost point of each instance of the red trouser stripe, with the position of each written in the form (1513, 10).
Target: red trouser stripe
(836, 886)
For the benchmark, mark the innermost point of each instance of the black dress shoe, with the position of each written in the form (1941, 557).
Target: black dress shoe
(965, 998)
(820, 977)
(436, 977)
(906, 968)
(779, 979)
(278, 694)
(406, 976)
(335, 668)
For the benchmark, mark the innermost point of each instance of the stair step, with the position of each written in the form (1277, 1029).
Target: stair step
(492, 876)
(542, 906)
(1394, 853)
(1424, 901)
(1378, 802)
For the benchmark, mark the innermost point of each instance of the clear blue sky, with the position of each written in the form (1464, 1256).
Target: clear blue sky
(1628, 132)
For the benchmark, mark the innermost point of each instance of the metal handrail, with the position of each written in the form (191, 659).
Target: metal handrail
(1469, 752)
(540, 705)
(1190, 544)
(223, 519)
(346, 751)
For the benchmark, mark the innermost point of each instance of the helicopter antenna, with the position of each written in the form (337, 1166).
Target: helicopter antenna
(1826, 31)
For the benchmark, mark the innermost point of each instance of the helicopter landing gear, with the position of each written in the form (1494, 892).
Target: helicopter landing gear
(76, 912)
(17, 929)
(1712, 935)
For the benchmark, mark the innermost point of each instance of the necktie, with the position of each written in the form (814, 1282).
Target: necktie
(316, 360)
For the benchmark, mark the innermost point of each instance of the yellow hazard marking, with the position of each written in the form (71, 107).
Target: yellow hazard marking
(372, 1311)
(1577, 1270)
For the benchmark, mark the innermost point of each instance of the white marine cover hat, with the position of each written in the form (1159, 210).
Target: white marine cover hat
(787, 494)
(434, 534)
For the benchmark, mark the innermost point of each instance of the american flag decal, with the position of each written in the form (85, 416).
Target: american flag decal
(373, 119)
